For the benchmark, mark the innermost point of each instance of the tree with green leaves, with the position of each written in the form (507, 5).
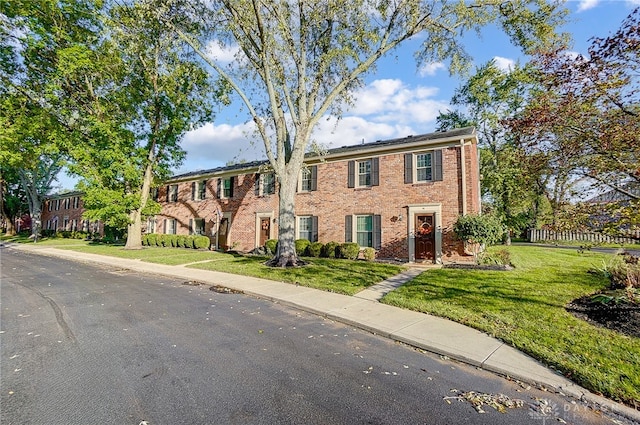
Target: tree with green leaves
(40, 39)
(299, 60)
(488, 98)
(586, 117)
(158, 92)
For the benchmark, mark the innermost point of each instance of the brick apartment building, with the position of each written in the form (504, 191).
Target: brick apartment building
(398, 196)
(63, 212)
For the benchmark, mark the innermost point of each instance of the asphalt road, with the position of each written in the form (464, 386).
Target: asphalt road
(101, 345)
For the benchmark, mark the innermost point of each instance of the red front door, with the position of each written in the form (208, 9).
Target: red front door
(425, 237)
(265, 230)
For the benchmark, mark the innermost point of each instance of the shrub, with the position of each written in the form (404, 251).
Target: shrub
(348, 250)
(201, 242)
(271, 246)
(314, 249)
(151, 239)
(479, 231)
(301, 246)
(66, 234)
(173, 240)
(625, 273)
(369, 254)
(145, 240)
(501, 258)
(329, 250)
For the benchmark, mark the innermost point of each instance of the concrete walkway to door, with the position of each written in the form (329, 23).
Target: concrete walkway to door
(376, 292)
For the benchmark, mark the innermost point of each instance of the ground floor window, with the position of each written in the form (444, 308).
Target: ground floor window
(364, 230)
(171, 226)
(308, 228)
(196, 226)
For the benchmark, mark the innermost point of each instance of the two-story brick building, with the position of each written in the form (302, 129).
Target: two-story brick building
(398, 196)
(63, 212)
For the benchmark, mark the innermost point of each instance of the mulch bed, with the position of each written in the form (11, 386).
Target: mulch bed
(623, 317)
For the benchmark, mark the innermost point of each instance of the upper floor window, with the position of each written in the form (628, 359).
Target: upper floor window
(265, 184)
(172, 193)
(66, 203)
(424, 170)
(423, 166)
(57, 204)
(363, 173)
(309, 179)
(154, 193)
(76, 202)
(198, 190)
(225, 187)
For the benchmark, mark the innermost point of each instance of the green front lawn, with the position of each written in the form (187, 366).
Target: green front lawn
(525, 308)
(341, 276)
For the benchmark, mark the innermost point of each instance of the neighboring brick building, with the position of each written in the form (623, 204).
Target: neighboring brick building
(63, 212)
(399, 196)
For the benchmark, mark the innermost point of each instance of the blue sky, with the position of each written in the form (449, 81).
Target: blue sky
(398, 100)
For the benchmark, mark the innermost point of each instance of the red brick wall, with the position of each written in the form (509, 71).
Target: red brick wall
(332, 201)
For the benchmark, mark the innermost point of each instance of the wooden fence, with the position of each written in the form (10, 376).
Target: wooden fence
(540, 235)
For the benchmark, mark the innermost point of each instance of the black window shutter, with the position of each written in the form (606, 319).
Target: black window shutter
(351, 177)
(437, 172)
(314, 177)
(347, 228)
(377, 231)
(375, 171)
(193, 191)
(231, 181)
(219, 189)
(168, 193)
(408, 168)
(257, 186)
(314, 228)
(191, 226)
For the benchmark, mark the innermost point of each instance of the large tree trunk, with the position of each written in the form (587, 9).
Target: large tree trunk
(286, 253)
(134, 231)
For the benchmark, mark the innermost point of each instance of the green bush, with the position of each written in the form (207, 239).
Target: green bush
(314, 249)
(271, 246)
(369, 254)
(329, 250)
(301, 246)
(201, 242)
(182, 241)
(173, 240)
(145, 240)
(348, 250)
(151, 239)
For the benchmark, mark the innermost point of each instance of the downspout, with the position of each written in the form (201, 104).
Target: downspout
(463, 170)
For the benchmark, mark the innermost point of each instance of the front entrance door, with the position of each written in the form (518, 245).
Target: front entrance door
(425, 237)
(223, 233)
(265, 230)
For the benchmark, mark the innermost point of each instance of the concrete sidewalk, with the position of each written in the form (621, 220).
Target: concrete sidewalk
(363, 311)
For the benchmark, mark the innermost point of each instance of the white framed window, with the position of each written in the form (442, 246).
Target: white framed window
(364, 229)
(424, 168)
(198, 190)
(171, 226)
(172, 195)
(151, 225)
(305, 180)
(57, 204)
(74, 225)
(307, 228)
(196, 226)
(364, 173)
(76, 202)
(265, 184)
(225, 187)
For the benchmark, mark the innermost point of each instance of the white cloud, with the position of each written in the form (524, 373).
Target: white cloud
(430, 69)
(384, 109)
(217, 50)
(504, 64)
(587, 4)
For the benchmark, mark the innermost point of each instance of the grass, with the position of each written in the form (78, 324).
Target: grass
(525, 308)
(341, 276)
